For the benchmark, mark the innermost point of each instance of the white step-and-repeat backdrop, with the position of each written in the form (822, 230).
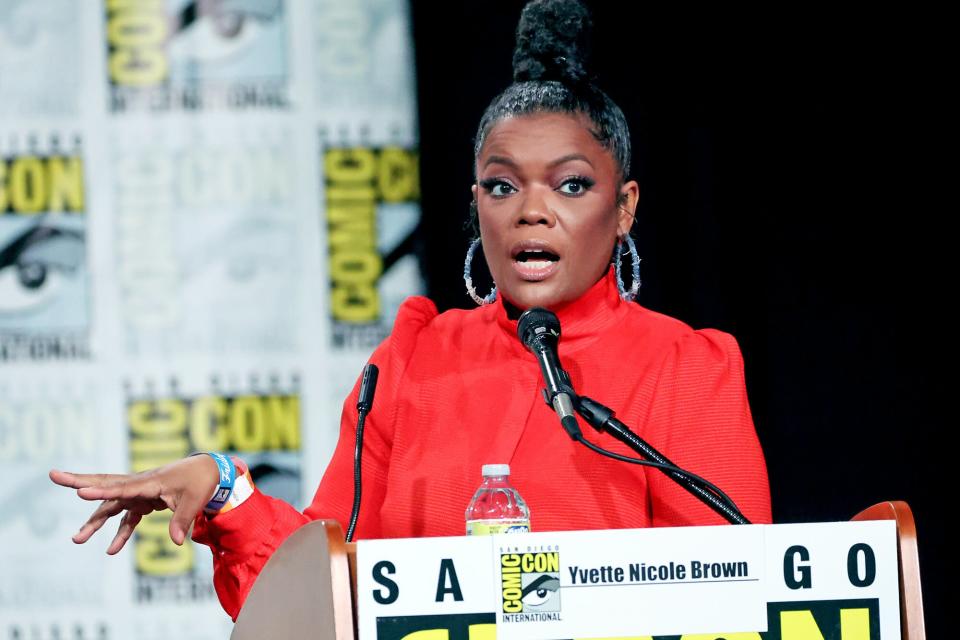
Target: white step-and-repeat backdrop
(206, 211)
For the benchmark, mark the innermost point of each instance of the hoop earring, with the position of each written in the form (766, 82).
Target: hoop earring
(468, 279)
(630, 295)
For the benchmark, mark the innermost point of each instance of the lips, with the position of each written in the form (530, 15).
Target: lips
(534, 259)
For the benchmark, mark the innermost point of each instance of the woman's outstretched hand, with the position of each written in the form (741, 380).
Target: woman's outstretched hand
(184, 487)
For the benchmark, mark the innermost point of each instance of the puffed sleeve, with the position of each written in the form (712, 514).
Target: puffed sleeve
(700, 419)
(244, 538)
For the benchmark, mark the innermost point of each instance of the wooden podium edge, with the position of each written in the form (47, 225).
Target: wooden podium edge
(302, 588)
(911, 595)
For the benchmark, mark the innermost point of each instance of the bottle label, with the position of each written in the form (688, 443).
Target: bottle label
(495, 527)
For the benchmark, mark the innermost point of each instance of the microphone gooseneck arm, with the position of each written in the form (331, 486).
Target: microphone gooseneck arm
(539, 331)
(602, 418)
(368, 386)
(558, 392)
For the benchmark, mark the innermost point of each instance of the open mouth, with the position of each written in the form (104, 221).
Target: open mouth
(536, 257)
(534, 260)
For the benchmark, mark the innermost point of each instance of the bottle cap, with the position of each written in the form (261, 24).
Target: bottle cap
(489, 470)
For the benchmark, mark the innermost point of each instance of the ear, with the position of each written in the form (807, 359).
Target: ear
(627, 207)
(474, 189)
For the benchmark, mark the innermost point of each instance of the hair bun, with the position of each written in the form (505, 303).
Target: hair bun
(553, 42)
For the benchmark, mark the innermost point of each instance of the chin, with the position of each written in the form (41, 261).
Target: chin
(529, 295)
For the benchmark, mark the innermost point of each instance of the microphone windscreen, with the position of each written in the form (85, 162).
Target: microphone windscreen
(537, 324)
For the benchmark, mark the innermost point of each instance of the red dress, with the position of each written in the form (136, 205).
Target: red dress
(458, 390)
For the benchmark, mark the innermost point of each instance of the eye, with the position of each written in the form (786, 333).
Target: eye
(497, 187)
(36, 266)
(575, 185)
(24, 287)
(540, 591)
(538, 597)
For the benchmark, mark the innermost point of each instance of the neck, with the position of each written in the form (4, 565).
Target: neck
(595, 310)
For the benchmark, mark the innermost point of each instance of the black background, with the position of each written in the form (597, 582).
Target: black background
(787, 161)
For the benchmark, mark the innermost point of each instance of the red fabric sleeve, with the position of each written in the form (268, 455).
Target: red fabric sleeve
(701, 420)
(244, 538)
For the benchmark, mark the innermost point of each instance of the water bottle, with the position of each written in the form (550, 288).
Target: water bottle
(497, 507)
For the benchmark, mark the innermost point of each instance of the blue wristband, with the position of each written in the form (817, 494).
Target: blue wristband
(228, 476)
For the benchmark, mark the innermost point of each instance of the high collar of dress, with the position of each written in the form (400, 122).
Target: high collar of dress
(581, 321)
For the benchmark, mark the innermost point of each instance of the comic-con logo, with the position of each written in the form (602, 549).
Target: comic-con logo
(196, 54)
(44, 306)
(372, 211)
(260, 425)
(530, 582)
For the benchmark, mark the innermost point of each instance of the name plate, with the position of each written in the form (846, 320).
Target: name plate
(836, 581)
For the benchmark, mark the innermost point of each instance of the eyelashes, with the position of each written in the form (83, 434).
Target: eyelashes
(573, 186)
(579, 184)
(497, 187)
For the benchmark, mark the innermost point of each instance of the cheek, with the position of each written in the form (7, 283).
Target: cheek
(592, 239)
(488, 234)
(593, 231)
(493, 222)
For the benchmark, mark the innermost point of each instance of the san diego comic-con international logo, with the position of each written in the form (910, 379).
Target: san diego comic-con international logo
(530, 586)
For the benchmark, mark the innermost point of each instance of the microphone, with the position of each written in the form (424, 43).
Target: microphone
(539, 331)
(368, 386)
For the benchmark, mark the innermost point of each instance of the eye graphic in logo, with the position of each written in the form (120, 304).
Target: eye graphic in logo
(215, 30)
(541, 592)
(36, 264)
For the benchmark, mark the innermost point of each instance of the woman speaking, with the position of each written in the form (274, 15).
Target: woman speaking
(554, 206)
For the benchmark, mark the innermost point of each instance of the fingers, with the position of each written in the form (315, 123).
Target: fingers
(170, 486)
(122, 488)
(80, 480)
(101, 514)
(124, 531)
(109, 486)
(187, 509)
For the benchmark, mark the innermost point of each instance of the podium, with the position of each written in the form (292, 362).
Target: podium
(308, 588)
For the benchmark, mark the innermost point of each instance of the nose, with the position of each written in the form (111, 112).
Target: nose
(535, 209)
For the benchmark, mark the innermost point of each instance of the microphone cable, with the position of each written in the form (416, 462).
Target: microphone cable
(709, 493)
(368, 385)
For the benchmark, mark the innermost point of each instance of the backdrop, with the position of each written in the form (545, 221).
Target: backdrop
(205, 213)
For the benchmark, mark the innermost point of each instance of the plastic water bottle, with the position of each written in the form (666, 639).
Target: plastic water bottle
(497, 507)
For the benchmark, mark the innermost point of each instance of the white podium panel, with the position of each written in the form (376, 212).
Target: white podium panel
(829, 581)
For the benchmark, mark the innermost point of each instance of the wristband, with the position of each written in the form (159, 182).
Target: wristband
(228, 477)
(242, 489)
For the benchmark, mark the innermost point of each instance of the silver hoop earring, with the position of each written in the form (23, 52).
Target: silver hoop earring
(635, 262)
(468, 279)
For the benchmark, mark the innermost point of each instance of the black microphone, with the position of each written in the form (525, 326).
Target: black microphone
(539, 331)
(368, 386)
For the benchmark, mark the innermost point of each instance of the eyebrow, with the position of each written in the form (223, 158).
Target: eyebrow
(570, 158)
(504, 160)
(499, 160)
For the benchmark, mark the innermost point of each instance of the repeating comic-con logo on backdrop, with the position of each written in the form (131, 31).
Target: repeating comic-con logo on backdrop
(206, 241)
(257, 419)
(39, 57)
(196, 54)
(46, 422)
(363, 57)
(44, 288)
(372, 211)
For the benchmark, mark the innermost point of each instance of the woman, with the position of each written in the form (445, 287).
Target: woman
(457, 390)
